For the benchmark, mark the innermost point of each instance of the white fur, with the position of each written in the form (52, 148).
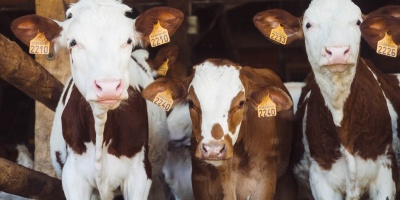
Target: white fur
(102, 53)
(295, 91)
(208, 82)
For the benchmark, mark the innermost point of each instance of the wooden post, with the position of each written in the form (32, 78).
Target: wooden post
(19, 180)
(59, 67)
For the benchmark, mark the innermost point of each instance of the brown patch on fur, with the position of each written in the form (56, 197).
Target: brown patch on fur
(195, 114)
(217, 132)
(125, 131)
(66, 92)
(58, 158)
(235, 115)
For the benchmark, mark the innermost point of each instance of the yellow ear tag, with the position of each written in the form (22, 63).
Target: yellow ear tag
(39, 44)
(386, 46)
(278, 35)
(266, 108)
(159, 35)
(162, 71)
(164, 100)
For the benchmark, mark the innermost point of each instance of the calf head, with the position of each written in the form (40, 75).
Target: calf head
(330, 29)
(219, 93)
(100, 37)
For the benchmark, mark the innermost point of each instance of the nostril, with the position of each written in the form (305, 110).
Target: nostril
(204, 148)
(327, 51)
(347, 51)
(97, 86)
(223, 149)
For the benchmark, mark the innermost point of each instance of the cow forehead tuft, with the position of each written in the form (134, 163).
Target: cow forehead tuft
(338, 9)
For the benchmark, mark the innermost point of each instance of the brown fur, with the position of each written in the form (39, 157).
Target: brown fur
(366, 125)
(217, 132)
(126, 128)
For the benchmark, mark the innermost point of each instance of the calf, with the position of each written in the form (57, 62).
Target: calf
(347, 118)
(235, 154)
(105, 135)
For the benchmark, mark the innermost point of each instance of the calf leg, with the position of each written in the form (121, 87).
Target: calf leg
(74, 185)
(137, 185)
(320, 187)
(383, 187)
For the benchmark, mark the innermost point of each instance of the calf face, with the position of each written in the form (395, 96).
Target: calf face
(332, 43)
(218, 93)
(100, 37)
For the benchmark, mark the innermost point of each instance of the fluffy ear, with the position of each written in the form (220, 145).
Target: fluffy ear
(267, 20)
(277, 95)
(170, 19)
(374, 28)
(177, 88)
(169, 52)
(26, 28)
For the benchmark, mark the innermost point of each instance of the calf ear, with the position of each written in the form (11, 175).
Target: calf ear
(390, 10)
(281, 99)
(177, 88)
(26, 28)
(170, 19)
(267, 20)
(169, 52)
(374, 28)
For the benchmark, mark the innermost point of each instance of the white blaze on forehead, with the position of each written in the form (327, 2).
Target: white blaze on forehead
(101, 31)
(333, 23)
(215, 87)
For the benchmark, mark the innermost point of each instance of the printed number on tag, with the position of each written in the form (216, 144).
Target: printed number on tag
(159, 35)
(278, 35)
(164, 100)
(266, 108)
(39, 44)
(386, 46)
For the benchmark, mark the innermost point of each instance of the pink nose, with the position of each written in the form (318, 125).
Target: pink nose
(213, 151)
(337, 54)
(108, 90)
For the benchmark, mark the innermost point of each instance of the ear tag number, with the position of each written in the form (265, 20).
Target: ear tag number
(278, 35)
(162, 71)
(386, 46)
(164, 100)
(39, 44)
(159, 35)
(266, 108)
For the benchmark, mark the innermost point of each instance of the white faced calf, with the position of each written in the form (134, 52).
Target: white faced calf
(93, 145)
(235, 154)
(348, 110)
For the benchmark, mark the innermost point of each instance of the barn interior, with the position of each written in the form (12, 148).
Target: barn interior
(217, 28)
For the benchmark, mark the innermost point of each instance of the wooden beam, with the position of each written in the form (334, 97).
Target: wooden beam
(59, 67)
(22, 71)
(19, 180)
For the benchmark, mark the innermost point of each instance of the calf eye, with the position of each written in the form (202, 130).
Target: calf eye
(358, 22)
(129, 41)
(241, 103)
(69, 16)
(190, 102)
(72, 43)
(308, 25)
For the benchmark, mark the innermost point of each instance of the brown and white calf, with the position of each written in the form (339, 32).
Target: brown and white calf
(235, 154)
(347, 118)
(105, 135)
